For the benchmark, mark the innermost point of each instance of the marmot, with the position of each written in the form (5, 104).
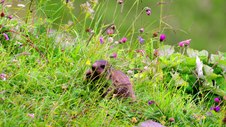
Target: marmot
(121, 85)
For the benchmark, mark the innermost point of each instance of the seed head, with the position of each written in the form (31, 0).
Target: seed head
(171, 119)
(2, 14)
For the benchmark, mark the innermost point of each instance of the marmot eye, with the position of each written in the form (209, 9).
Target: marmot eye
(93, 68)
(102, 66)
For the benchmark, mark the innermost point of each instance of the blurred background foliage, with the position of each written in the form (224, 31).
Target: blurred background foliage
(203, 21)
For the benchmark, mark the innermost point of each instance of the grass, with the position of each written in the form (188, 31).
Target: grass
(45, 83)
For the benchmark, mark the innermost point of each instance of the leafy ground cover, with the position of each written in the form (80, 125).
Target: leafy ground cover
(42, 72)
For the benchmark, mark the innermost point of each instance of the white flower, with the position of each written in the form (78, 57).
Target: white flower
(116, 42)
(8, 5)
(110, 39)
(20, 5)
(130, 72)
(199, 66)
(146, 68)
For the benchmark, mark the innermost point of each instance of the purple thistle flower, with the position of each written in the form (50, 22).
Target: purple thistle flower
(217, 108)
(181, 44)
(111, 47)
(120, 1)
(2, 1)
(123, 40)
(187, 42)
(162, 37)
(151, 102)
(141, 40)
(10, 17)
(6, 36)
(148, 11)
(110, 31)
(217, 100)
(31, 115)
(211, 108)
(101, 40)
(114, 55)
(3, 76)
(141, 30)
(184, 43)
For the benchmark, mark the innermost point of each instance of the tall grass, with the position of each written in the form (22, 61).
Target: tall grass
(47, 58)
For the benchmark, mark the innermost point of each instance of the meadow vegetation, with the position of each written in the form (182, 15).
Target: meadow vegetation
(43, 65)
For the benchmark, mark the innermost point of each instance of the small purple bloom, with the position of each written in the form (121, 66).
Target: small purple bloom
(110, 31)
(211, 108)
(217, 108)
(101, 40)
(114, 55)
(6, 36)
(148, 11)
(181, 44)
(2, 1)
(151, 102)
(10, 17)
(162, 37)
(209, 114)
(184, 43)
(217, 100)
(187, 42)
(120, 1)
(142, 52)
(141, 30)
(3, 76)
(32, 115)
(123, 40)
(141, 40)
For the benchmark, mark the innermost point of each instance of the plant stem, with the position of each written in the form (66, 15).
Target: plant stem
(160, 20)
(29, 11)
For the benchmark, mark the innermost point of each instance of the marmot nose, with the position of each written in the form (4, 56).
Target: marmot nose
(94, 66)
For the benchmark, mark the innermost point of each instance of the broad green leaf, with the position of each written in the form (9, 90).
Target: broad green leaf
(166, 50)
(213, 89)
(210, 75)
(222, 65)
(194, 53)
(190, 61)
(178, 80)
